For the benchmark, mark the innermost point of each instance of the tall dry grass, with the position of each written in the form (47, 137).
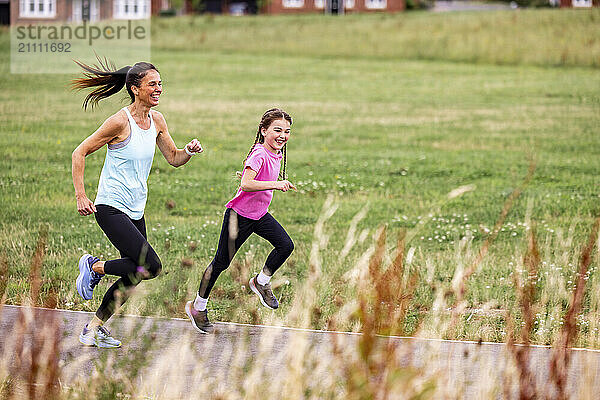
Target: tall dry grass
(293, 364)
(31, 367)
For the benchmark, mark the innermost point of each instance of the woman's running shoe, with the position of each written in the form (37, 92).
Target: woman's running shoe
(88, 278)
(100, 338)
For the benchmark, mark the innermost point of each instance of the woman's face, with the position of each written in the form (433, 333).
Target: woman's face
(276, 135)
(150, 88)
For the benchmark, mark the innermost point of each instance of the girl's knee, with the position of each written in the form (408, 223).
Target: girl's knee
(219, 267)
(287, 247)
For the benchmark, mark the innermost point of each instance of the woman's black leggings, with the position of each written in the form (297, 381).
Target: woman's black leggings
(234, 232)
(139, 260)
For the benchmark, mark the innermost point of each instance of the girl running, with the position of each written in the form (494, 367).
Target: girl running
(131, 135)
(247, 213)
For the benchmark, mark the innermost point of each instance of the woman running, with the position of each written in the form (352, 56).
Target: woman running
(131, 135)
(247, 213)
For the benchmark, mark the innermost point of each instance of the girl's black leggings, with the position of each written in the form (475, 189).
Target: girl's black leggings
(138, 259)
(234, 232)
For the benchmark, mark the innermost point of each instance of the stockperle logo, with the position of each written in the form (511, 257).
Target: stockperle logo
(51, 48)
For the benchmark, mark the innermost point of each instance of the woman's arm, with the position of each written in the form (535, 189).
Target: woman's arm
(110, 129)
(249, 184)
(174, 156)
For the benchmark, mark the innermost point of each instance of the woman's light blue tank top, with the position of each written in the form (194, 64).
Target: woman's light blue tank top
(123, 181)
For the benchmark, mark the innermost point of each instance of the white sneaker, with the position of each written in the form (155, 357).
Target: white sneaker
(101, 338)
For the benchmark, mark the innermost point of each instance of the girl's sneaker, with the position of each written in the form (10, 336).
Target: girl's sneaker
(199, 318)
(88, 278)
(264, 293)
(100, 338)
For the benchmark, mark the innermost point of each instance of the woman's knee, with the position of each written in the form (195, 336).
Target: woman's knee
(155, 267)
(151, 266)
(151, 269)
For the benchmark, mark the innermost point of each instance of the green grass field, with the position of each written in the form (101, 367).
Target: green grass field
(390, 113)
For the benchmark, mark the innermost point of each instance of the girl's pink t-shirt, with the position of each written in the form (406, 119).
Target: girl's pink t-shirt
(254, 205)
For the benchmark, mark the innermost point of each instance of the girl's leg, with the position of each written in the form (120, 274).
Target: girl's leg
(234, 232)
(268, 228)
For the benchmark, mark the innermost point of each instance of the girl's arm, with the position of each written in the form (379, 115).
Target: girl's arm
(249, 184)
(174, 156)
(110, 129)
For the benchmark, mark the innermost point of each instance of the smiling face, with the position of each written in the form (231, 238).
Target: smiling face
(276, 135)
(150, 89)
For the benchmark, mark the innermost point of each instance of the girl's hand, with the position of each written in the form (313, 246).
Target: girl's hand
(84, 205)
(284, 186)
(194, 147)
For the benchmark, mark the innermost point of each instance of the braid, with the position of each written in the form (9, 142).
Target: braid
(239, 173)
(252, 148)
(282, 174)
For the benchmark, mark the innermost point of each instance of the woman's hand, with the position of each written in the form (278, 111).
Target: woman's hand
(284, 186)
(84, 205)
(194, 147)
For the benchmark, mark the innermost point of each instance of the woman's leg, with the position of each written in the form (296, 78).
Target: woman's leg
(138, 259)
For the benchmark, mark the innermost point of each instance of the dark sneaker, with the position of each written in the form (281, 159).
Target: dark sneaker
(264, 293)
(199, 318)
(101, 338)
(88, 278)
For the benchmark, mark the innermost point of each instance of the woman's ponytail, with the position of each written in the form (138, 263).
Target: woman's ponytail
(108, 80)
(104, 77)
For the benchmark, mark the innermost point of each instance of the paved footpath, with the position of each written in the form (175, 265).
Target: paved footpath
(177, 347)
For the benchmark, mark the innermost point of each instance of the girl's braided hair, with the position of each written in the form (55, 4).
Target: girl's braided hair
(268, 117)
